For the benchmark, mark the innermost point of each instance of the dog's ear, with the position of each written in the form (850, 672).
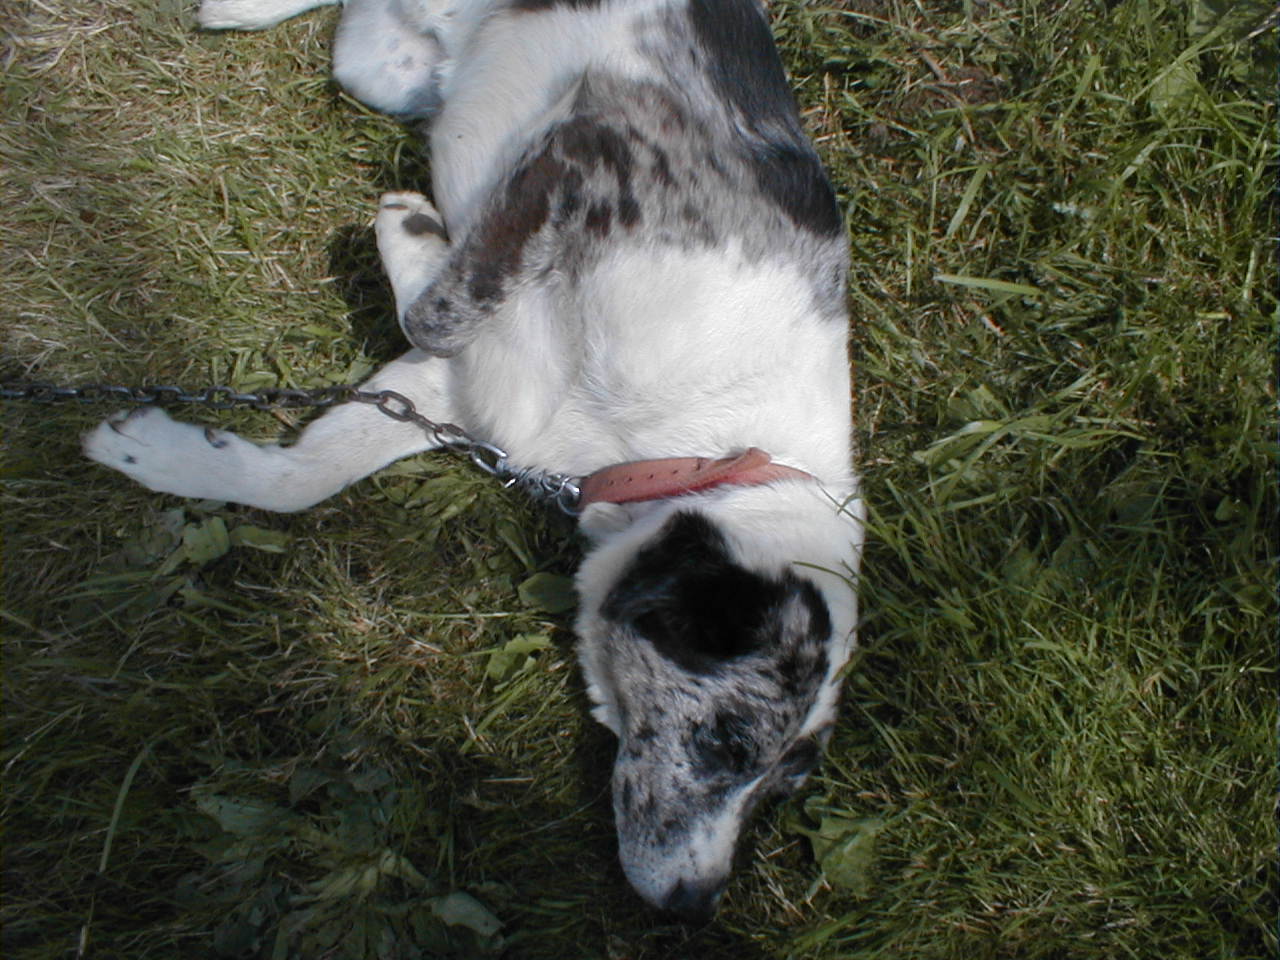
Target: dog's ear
(685, 595)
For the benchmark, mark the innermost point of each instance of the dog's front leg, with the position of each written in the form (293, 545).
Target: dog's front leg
(347, 443)
(413, 247)
(443, 293)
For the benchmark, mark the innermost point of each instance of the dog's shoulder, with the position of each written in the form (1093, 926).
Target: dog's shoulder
(694, 144)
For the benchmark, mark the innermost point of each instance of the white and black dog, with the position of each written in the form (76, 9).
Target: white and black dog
(637, 256)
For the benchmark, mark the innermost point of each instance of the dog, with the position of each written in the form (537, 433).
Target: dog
(634, 256)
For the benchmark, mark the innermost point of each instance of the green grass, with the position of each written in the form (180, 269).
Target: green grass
(229, 733)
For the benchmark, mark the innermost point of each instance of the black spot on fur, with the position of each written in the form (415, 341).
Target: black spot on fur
(743, 61)
(796, 668)
(416, 224)
(591, 143)
(662, 168)
(599, 217)
(669, 826)
(795, 181)
(550, 186)
(685, 595)
(628, 210)
(745, 70)
(570, 197)
(501, 238)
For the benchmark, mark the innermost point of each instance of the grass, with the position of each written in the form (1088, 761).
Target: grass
(358, 732)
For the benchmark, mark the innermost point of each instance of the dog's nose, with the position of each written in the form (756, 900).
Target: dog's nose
(693, 902)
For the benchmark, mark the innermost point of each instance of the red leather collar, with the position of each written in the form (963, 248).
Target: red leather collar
(657, 479)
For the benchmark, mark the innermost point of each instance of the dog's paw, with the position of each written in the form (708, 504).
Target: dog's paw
(252, 14)
(410, 213)
(412, 243)
(160, 453)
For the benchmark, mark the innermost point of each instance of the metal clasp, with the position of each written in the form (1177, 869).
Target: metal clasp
(488, 457)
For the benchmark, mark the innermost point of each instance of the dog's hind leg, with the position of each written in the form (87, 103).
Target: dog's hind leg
(347, 443)
(253, 14)
(393, 55)
(389, 54)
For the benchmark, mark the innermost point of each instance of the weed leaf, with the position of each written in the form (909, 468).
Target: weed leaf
(243, 818)
(845, 849)
(515, 656)
(460, 909)
(305, 781)
(551, 592)
(206, 541)
(1176, 87)
(258, 538)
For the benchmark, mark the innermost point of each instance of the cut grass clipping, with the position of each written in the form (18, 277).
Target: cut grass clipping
(358, 732)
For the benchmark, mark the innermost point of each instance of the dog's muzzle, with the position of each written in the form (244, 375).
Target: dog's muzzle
(695, 903)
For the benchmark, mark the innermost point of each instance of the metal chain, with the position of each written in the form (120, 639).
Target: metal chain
(557, 488)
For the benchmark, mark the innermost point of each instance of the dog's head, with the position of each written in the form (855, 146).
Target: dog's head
(714, 655)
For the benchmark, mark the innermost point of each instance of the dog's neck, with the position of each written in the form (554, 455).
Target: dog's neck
(639, 480)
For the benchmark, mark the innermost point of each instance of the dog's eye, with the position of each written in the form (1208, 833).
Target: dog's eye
(723, 745)
(711, 756)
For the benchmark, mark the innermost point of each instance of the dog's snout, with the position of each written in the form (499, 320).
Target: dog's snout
(694, 902)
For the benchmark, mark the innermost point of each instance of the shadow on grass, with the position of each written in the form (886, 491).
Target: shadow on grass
(354, 262)
(353, 250)
(357, 271)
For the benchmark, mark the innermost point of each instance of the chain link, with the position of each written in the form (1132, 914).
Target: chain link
(557, 488)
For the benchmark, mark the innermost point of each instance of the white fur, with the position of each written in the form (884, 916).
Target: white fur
(706, 327)
(382, 52)
(253, 14)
